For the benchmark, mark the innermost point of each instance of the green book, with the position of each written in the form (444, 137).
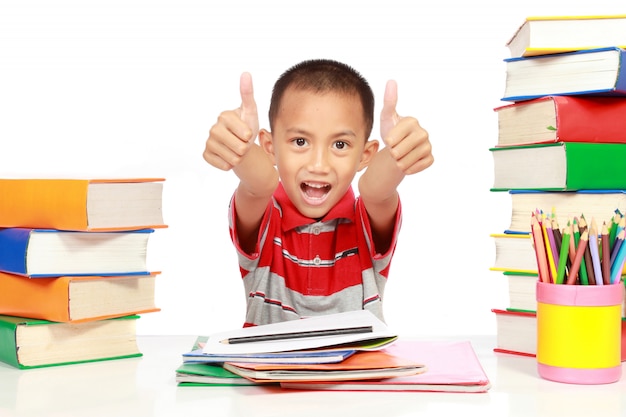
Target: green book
(563, 166)
(33, 343)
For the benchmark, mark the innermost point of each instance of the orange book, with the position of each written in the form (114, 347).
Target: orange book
(77, 298)
(82, 204)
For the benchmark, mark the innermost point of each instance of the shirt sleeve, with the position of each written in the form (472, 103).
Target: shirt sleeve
(263, 229)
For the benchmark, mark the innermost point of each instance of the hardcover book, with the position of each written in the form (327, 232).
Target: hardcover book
(541, 35)
(522, 290)
(80, 204)
(76, 299)
(514, 253)
(563, 166)
(589, 72)
(562, 119)
(50, 253)
(598, 204)
(32, 343)
(516, 332)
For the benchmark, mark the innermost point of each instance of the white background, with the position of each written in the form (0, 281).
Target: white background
(131, 88)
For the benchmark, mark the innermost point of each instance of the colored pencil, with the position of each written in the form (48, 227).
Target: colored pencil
(591, 278)
(582, 271)
(618, 265)
(555, 242)
(582, 223)
(580, 252)
(619, 240)
(613, 228)
(572, 246)
(540, 250)
(549, 252)
(595, 255)
(606, 255)
(563, 255)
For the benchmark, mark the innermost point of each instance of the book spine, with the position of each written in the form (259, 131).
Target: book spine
(590, 119)
(13, 250)
(56, 204)
(8, 347)
(43, 298)
(587, 166)
(620, 83)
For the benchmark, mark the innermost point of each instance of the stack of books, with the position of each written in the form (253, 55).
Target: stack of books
(73, 268)
(345, 351)
(560, 148)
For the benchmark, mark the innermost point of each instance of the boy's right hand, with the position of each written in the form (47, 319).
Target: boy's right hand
(235, 131)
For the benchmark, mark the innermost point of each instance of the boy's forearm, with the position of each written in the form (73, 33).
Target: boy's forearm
(380, 180)
(258, 177)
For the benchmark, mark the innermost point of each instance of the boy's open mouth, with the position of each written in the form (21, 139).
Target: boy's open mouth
(315, 191)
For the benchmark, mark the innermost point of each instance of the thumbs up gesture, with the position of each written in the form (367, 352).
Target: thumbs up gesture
(407, 141)
(232, 136)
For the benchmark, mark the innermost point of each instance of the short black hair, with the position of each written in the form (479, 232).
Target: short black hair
(324, 75)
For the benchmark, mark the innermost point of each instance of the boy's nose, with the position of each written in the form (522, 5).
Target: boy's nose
(319, 161)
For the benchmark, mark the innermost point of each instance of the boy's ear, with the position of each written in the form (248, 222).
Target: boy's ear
(370, 149)
(266, 143)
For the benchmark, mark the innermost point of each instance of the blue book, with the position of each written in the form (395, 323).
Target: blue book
(52, 253)
(600, 71)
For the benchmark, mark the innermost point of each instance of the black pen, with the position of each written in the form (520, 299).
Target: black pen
(297, 335)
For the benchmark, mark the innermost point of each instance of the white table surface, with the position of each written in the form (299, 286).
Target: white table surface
(146, 387)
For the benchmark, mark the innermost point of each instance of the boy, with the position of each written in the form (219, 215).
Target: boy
(306, 246)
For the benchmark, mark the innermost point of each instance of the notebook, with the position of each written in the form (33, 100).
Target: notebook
(452, 366)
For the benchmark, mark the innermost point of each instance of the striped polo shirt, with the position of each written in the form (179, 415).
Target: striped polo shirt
(303, 267)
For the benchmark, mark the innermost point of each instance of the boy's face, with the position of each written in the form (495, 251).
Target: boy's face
(318, 144)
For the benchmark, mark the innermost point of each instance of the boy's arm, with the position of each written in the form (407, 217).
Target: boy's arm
(231, 145)
(407, 151)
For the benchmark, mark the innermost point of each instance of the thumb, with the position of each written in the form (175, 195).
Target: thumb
(388, 115)
(248, 109)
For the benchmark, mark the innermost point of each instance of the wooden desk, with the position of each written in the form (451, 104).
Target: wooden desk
(146, 387)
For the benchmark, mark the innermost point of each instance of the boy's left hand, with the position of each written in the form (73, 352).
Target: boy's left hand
(407, 141)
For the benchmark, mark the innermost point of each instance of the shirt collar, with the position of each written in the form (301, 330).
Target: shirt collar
(292, 218)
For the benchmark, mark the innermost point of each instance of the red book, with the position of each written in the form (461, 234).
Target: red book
(562, 119)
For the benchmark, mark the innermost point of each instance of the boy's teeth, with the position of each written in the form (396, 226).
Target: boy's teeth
(315, 190)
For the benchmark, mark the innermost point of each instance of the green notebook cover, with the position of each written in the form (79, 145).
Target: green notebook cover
(215, 375)
(8, 342)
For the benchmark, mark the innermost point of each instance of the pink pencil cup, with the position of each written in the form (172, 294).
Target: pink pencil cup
(579, 332)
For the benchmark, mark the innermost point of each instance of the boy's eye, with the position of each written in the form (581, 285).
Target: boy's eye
(300, 141)
(341, 144)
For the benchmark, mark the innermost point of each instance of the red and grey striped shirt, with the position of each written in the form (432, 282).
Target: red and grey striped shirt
(303, 267)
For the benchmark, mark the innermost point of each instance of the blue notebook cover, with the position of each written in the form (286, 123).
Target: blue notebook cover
(291, 357)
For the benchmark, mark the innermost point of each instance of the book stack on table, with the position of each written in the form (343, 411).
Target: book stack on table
(345, 351)
(560, 149)
(73, 268)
